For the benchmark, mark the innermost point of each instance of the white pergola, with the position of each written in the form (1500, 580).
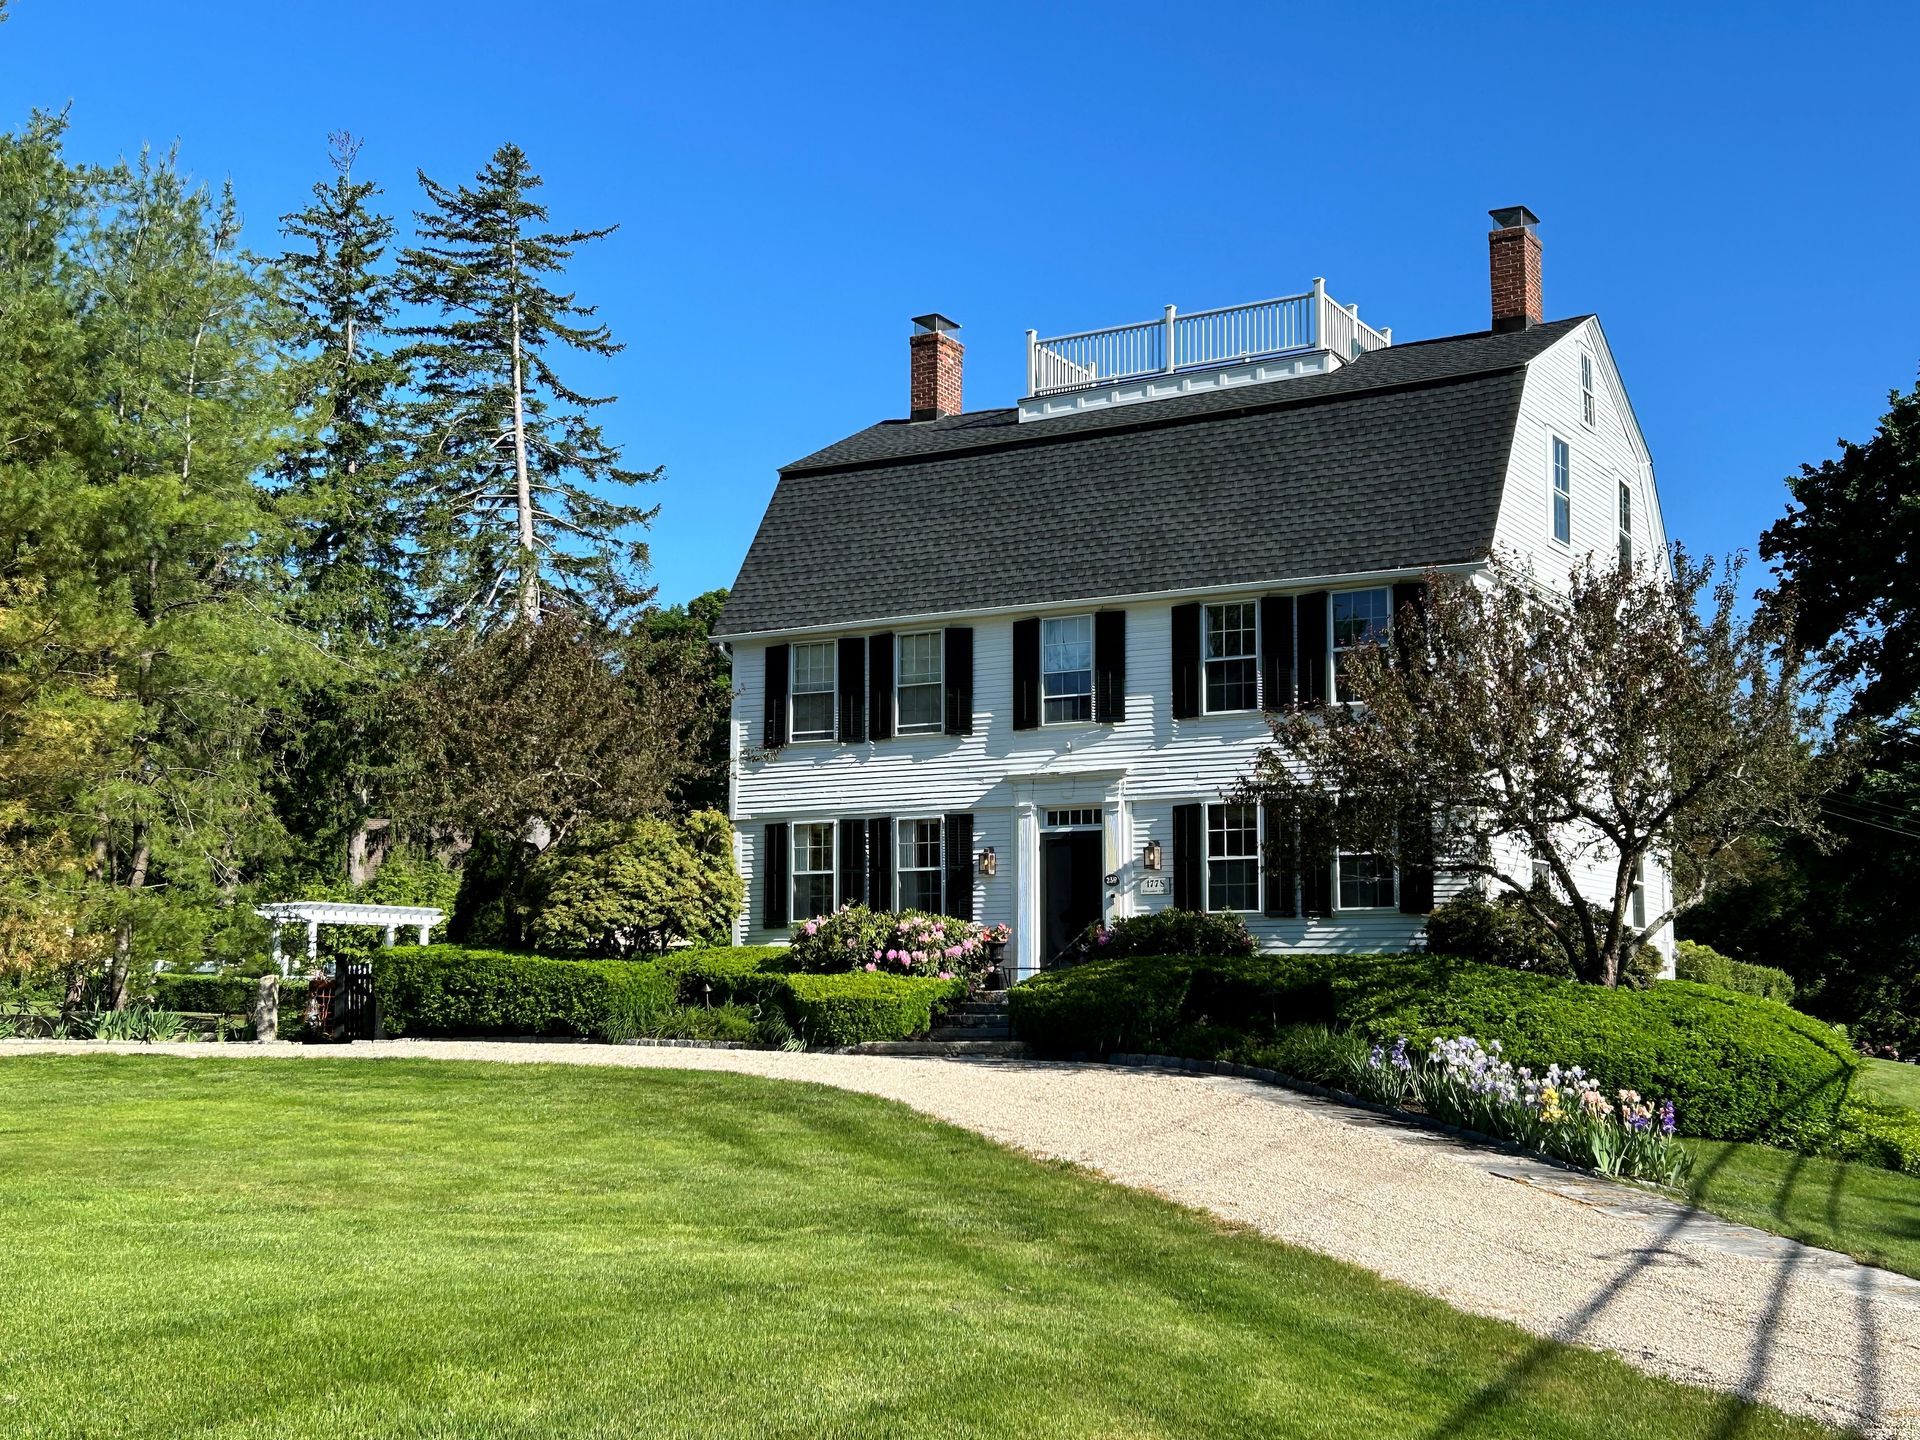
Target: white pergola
(315, 913)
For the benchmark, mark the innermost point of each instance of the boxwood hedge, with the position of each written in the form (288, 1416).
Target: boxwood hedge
(228, 995)
(451, 990)
(829, 1010)
(1736, 1066)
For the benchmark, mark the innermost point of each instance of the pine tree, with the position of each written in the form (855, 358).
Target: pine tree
(513, 466)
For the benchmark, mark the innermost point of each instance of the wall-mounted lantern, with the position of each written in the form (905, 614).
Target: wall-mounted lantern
(988, 864)
(1150, 857)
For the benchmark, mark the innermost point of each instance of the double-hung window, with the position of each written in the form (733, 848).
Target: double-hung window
(1232, 657)
(919, 865)
(1637, 896)
(813, 697)
(1361, 618)
(1366, 880)
(1586, 388)
(1233, 857)
(813, 869)
(918, 684)
(1562, 491)
(1626, 527)
(1066, 669)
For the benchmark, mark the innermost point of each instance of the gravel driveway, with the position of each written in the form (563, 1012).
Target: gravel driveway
(1595, 1264)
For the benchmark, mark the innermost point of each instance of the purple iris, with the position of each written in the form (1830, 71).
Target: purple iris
(1666, 1117)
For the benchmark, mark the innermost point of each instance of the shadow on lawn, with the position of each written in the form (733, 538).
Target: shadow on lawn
(1734, 1416)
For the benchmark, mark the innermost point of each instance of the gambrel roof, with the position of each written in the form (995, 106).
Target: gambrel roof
(1393, 461)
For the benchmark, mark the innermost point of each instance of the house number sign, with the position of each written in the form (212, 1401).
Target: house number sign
(1153, 884)
(1110, 880)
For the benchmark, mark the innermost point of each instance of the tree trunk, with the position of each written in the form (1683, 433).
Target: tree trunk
(116, 996)
(529, 605)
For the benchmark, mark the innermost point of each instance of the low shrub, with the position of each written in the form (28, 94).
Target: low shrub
(831, 1010)
(230, 995)
(1884, 1135)
(451, 990)
(1163, 932)
(1505, 932)
(1737, 1067)
(698, 1022)
(1705, 965)
(890, 942)
(727, 975)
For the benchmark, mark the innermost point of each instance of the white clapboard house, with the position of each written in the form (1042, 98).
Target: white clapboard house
(1005, 664)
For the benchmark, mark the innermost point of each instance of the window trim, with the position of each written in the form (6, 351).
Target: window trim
(1207, 607)
(1334, 648)
(1393, 879)
(1637, 895)
(794, 872)
(1553, 491)
(1624, 520)
(1589, 403)
(937, 869)
(939, 724)
(794, 737)
(1207, 807)
(1093, 669)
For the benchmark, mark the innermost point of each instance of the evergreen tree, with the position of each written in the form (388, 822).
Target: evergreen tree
(513, 467)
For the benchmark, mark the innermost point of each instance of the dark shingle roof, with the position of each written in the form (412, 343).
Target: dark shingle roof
(1394, 461)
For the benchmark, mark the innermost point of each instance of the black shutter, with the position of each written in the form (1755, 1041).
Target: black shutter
(853, 862)
(1316, 869)
(880, 687)
(774, 733)
(1189, 836)
(852, 676)
(880, 864)
(1416, 858)
(1186, 662)
(1026, 674)
(956, 672)
(1276, 655)
(1310, 648)
(1281, 865)
(1410, 600)
(1110, 666)
(774, 876)
(959, 854)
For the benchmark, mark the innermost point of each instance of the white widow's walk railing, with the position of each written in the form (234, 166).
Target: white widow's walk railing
(1292, 324)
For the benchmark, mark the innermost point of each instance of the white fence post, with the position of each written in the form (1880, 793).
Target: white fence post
(1171, 362)
(1033, 362)
(1319, 312)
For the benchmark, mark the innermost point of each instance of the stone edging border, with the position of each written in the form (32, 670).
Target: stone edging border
(1411, 1118)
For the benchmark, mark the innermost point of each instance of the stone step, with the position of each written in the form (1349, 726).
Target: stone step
(982, 1016)
(981, 1007)
(952, 1049)
(1002, 1031)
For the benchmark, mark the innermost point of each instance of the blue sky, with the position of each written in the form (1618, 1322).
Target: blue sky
(1735, 191)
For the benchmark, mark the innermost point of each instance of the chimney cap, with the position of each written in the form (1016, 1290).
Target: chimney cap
(935, 323)
(1512, 216)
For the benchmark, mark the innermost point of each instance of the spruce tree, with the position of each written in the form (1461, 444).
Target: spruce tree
(522, 494)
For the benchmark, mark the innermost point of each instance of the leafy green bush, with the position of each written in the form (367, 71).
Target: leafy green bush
(1737, 1067)
(1163, 932)
(229, 995)
(449, 990)
(1505, 932)
(890, 942)
(1884, 1135)
(696, 1022)
(1707, 966)
(638, 887)
(727, 975)
(830, 1010)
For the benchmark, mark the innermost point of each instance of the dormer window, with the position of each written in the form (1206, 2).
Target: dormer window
(813, 691)
(1586, 388)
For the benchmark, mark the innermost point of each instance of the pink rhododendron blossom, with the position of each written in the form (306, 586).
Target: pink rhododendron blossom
(872, 966)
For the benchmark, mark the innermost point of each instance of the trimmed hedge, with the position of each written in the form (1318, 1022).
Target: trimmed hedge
(1707, 966)
(229, 995)
(829, 1010)
(726, 975)
(450, 990)
(1737, 1067)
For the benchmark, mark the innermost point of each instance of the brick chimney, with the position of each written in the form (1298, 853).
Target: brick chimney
(936, 355)
(1513, 255)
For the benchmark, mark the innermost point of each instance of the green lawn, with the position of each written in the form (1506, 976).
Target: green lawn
(331, 1249)
(1890, 1082)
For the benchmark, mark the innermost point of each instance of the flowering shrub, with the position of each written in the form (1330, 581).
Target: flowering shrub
(899, 942)
(1560, 1112)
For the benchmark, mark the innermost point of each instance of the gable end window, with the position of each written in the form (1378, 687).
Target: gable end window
(1066, 670)
(1626, 527)
(1232, 656)
(1233, 858)
(1360, 618)
(1586, 388)
(813, 695)
(813, 869)
(919, 865)
(919, 684)
(1562, 491)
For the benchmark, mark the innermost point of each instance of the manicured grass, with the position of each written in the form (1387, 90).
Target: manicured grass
(323, 1248)
(1860, 1210)
(1890, 1082)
